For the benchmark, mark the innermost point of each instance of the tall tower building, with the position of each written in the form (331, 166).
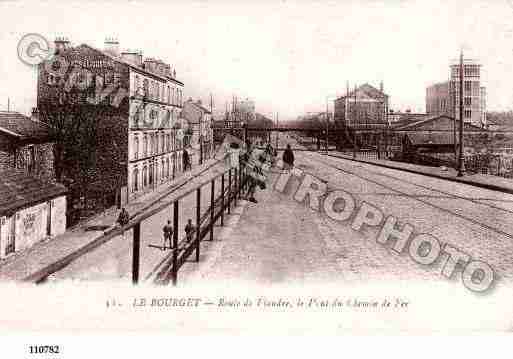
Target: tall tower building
(473, 102)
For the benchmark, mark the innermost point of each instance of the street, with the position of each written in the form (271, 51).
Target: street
(281, 241)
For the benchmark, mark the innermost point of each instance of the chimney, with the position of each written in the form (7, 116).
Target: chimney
(35, 113)
(381, 86)
(61, 43)
(133, 57)
(150, 64)
(111, 46)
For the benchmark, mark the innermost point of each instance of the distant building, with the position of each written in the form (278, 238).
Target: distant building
(200, 118)
(443, 98)
(245, 109)
(30, 211)
(365, 107)
(25, 144)
(438, 100)
(399, 117)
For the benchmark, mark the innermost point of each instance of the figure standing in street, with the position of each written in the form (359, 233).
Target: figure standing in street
(288, 158)
(189, 230)
(168, 235)
(186, 160)
(123, 219)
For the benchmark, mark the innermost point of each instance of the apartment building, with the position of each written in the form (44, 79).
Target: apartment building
(128, 110)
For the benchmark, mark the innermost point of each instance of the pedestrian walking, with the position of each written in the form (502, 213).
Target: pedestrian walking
(168, 235)
(189, 230)
(123, 219)
(288, 158)
(186, 160)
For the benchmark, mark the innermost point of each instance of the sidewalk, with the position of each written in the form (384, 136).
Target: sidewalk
(493, 183)
(49, 251)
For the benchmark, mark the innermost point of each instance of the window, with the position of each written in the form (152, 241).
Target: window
(468, 101)
(146, 87)
(136, 147)
(163, 173)
(173, 102)
(468, 86)
(468, 114)
(151, 144)
(157, 138)
(135, 184)
(168, 142)
(145, 145)
(168, 94)
(145, 176)
(136, 84)
(162, 144)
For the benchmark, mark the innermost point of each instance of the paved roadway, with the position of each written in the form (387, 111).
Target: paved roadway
(112, 261)
(281, 241)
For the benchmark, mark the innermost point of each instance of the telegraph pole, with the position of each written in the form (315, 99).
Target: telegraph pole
(327, 124)
(354, 127)
(461, 164)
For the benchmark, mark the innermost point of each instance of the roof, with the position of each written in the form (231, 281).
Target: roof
(366, 90)
(432, 139)
(18, 191)
(410, 125)
(17, 125)
(201, 107)
(129, 64)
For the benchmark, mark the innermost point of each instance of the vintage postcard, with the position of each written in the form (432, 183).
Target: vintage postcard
(274, 167)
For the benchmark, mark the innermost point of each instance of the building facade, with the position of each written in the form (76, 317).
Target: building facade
(201, 121)
(130, 109)
(444, 98)
(438, 100)
(31, 210)
(25, 144)
(365, 106)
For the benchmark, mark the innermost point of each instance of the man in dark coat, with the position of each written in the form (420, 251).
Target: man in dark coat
(123, 219)
(168, 235)
(288, 157)
(186, 161)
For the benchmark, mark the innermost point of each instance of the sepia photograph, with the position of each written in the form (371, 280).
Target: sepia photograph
(278, 167)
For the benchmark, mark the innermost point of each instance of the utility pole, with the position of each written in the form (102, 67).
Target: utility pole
(277, 133)
(355, 121)
(327, 125)
(461, 164)
(453, 107)
(211, 125)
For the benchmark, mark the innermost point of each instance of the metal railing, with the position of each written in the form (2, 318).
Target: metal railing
(181, 249)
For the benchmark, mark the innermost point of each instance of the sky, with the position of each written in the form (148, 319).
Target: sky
(290, 57)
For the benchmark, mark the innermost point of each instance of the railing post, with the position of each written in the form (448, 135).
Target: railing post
(222, 200)
(235, 185)
(198, 223)
(135, 253)
(240, 182)
(212, 210)
(229, 190)
(175, 242)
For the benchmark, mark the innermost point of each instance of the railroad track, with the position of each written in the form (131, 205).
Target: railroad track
(466, 218)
